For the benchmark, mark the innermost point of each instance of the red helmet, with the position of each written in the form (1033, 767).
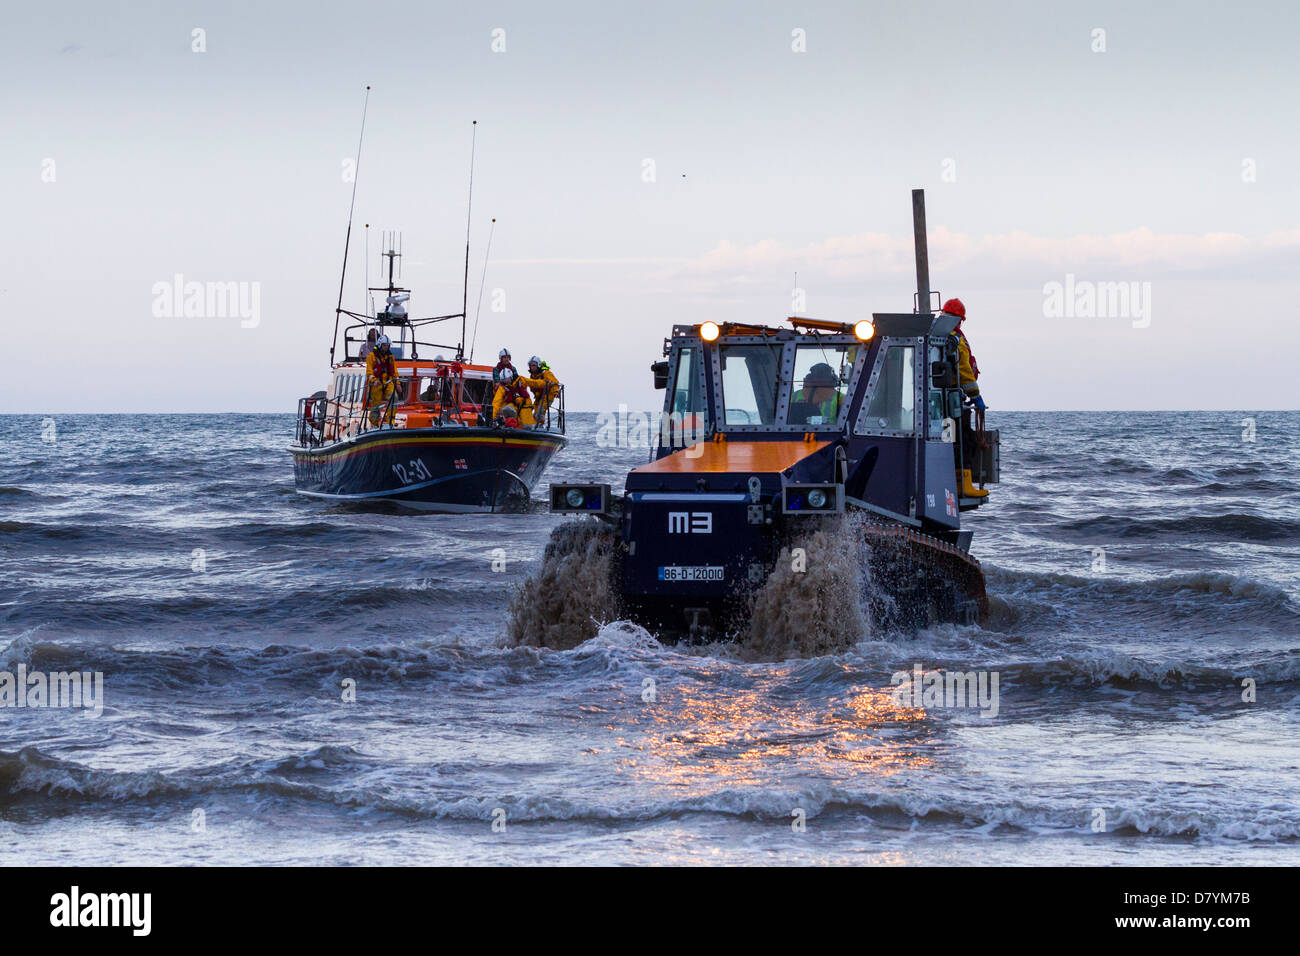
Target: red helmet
(954, 307)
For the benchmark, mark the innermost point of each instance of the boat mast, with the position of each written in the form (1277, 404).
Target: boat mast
(356, 169)
(469, 207)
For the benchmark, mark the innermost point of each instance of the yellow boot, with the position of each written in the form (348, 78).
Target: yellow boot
(968, 489)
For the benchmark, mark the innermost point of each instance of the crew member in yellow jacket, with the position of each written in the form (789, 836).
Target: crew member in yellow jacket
(511, 393)
(968, 373)
(545, 386)
(381, 376)
(968, 370)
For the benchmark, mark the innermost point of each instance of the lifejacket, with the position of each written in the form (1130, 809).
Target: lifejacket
(383, 366)
(828, 409)
(516, 394)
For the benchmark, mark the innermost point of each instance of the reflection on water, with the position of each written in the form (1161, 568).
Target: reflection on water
(746, 737)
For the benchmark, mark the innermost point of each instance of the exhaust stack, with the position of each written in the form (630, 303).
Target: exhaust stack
(922, 251)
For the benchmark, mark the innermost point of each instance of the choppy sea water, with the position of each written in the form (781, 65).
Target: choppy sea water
(1143, 566)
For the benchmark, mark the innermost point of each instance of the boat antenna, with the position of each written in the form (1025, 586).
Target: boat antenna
(469, 206)
(356, 168)
(479, 307)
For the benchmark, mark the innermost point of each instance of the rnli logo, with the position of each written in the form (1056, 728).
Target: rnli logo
(950, 503)
(690, 522)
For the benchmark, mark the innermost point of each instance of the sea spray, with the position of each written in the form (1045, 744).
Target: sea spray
(572, 594)
(811, 603)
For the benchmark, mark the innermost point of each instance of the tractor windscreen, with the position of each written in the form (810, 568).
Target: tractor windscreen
(750, 374)
(821, 383)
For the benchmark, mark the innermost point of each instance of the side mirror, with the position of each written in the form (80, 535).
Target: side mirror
(660, 370)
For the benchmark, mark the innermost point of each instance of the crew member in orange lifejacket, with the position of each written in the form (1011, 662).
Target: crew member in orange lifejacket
(511, 393)
(968, 373)
(381, 374)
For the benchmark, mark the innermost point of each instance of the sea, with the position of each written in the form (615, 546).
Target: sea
(272, 679)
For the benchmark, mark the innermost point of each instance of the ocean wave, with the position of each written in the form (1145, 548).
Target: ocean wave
(30, 775)
(229, 607)
(1248, 594)
(620, 647)
(1261, 486)
(60, 532)
(1128, 671)
(1234, 526)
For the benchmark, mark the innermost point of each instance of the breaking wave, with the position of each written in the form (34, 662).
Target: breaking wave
(29, 775)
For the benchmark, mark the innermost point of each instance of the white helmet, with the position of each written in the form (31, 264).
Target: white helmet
(507, 376)
(382, 341)
(535, 361)
(504, 353)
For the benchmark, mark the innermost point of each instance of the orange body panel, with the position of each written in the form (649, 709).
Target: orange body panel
(737, 456)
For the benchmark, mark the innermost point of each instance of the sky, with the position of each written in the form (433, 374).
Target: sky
(1111, 188)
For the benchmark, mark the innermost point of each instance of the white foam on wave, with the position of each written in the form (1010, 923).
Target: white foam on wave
(36, 774)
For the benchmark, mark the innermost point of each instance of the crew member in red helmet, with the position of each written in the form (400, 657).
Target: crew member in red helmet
(968, 370)
(968, 373)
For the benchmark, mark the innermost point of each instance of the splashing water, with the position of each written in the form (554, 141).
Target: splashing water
(811, 603)
(572, 594)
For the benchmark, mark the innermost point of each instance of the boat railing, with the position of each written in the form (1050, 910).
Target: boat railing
(322, 420)
(553, 418)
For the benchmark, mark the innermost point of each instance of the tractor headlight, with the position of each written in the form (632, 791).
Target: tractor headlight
(809, 499)
(710, 331)
(864, 330)
(588, 499)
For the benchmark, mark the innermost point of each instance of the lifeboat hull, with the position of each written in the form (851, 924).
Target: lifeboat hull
(442, 469)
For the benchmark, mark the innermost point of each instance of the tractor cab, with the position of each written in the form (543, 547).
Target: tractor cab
(878, 399)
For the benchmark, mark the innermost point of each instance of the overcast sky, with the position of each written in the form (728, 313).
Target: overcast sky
(1168, 160)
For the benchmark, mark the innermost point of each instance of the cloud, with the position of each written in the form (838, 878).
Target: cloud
(1015, 259)
(878, 253)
